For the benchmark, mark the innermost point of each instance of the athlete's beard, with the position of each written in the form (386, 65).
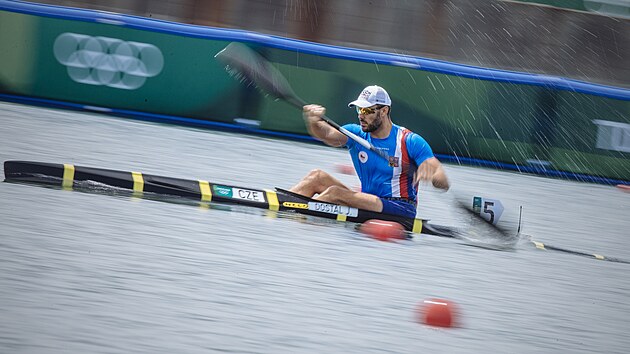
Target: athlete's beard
(376, 123)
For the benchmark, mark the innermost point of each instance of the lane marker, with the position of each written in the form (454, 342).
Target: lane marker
(542, 246)
(539, 245)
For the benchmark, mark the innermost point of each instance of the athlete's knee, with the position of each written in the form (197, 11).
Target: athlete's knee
(334, 194)
(318, 176)
(317, 173)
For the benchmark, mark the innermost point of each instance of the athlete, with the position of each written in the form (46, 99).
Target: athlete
(390, 186)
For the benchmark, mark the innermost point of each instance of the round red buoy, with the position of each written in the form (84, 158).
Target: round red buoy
(383, 230)
(345, 169)
(624, 187)
(437, 312)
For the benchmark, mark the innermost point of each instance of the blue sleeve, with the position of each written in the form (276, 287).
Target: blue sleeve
(418, 148)
(356, 130)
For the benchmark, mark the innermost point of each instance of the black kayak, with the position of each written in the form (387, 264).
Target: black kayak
(70, 176)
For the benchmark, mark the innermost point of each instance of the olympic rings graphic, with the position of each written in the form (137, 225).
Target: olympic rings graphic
(107, 61)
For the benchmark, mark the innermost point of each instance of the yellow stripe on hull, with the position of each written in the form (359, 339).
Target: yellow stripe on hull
(138, 181)
(417, 226)
(204, 189)
(341, 217)
(68, 176)
(272, 200)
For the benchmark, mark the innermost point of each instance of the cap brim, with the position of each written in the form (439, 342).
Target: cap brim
(361, 103)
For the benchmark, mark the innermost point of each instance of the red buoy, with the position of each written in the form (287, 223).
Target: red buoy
(383, 230)
(437, 312)
(624, 187)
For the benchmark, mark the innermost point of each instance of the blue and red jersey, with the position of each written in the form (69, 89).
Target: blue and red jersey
(407, 150)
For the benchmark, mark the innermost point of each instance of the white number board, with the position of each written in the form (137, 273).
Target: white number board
(489, 209)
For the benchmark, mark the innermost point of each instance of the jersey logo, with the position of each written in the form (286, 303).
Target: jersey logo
(363, 156)
(393, 161)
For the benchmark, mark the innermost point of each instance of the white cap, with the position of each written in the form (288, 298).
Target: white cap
(370, 96)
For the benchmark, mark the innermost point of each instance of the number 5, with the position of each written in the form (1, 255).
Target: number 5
(487, 208)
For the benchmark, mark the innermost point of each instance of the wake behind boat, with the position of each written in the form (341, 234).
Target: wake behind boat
(70, 176)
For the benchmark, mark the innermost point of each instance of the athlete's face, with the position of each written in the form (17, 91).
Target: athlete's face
(370, 118)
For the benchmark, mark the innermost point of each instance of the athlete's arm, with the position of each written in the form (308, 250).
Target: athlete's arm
(319, 129)
(431, 170)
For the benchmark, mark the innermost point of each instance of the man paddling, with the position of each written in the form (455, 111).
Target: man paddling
(390, 186)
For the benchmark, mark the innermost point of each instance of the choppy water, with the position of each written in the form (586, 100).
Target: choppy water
(84, 272)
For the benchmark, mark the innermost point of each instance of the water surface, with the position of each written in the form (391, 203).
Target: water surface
(87, 272)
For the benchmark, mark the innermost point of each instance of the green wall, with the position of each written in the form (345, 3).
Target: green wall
(466, 117)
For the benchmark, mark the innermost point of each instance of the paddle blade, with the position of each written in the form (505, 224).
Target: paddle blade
(244, 63)
(250, 66)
